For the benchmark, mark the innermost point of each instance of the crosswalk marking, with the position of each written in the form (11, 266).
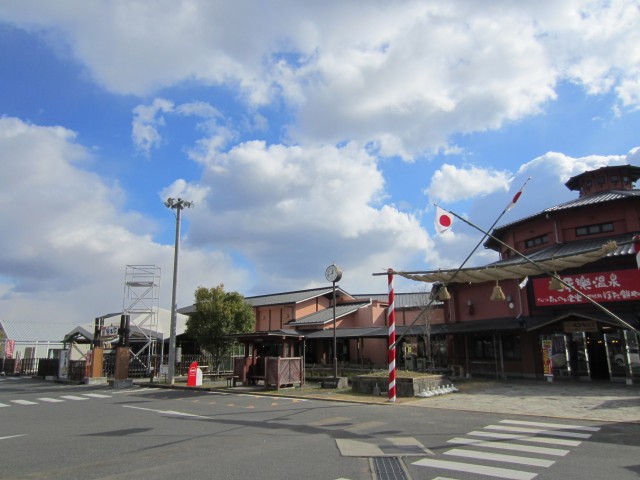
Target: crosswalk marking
(534, 462)
(551, 426)
(528, 438)
(96, 395)
(49, 400)
(476, 469)
(559, 433)
(4, 405)
(515, 436)
(510, 446)
(73, 397)
(23, 402)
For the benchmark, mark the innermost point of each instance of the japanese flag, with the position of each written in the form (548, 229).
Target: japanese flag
(443, 220)
(636, 248)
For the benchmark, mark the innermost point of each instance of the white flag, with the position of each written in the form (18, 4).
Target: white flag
(443, 220)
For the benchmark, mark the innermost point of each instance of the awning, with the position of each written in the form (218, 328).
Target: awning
(512, 270)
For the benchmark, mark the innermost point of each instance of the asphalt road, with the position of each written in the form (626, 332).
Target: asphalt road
(54, 431)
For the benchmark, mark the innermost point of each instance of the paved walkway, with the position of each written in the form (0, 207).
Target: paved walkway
(601, 401)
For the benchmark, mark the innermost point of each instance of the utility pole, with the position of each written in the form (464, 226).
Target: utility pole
(176, 204)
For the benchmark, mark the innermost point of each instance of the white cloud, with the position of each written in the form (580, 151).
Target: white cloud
(561, 167)
(70, 237)
(403, 76)
(290, 210)
(145, 124)
(451, 183)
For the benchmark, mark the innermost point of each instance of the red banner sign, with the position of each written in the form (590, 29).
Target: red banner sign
(613, 286)
(9, 348)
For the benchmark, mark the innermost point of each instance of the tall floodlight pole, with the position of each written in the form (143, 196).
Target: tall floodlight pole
(176, 204)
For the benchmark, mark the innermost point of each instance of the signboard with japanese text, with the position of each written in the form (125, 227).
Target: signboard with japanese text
(613, 286)
(547, 365)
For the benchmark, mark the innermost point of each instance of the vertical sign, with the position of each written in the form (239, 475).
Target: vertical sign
(63, 365)
(547, 363)
(194, 377)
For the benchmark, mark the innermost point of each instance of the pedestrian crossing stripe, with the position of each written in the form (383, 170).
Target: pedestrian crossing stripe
(528, 438)
(50, 400)
(476, 469)
(23, 402)
(510, 446)
(543, 431)
(520, 440)
(551, 426)
(498, 457)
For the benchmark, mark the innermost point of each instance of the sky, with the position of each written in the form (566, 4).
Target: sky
(305, 133)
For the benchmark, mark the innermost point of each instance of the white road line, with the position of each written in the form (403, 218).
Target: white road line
(510, 446)
(527, 438)
(4, 405)
(476, 469)
(497, 457)
(166, 412)
(558, 433)
(73, 397)
(50, 400)
(24, 402)
(551, 425)
(12, 436)
(96, 395)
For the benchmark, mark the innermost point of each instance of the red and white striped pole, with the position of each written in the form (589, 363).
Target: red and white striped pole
(392, 339)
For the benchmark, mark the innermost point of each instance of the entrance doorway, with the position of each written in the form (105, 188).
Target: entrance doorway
(597, 355)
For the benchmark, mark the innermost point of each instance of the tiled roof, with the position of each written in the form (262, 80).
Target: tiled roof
(401, 300)
(589, 200)
(34, 331)
(600, 197)
(291, 297)
(283, 298)
(324, 316)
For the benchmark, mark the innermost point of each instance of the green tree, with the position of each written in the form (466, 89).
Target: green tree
(219, 313)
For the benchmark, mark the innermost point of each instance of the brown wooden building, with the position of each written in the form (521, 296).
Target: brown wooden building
(543, 328)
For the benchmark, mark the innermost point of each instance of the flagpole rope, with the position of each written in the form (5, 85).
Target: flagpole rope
(432, 299)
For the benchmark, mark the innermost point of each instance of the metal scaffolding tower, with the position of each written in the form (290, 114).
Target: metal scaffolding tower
(141, 304)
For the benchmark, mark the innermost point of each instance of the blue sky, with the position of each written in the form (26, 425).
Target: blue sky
(304, 132)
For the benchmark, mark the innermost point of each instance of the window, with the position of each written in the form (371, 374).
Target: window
(482, 347)
(613, 178)
(594, 229)
(511, 348)
(535, 241)
(600, 180)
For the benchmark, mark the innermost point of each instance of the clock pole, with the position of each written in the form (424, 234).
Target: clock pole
(334, 274)
(335, 350)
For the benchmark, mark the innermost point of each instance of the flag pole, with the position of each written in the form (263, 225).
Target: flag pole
(432, 298)
(392, 340)
(552, 275)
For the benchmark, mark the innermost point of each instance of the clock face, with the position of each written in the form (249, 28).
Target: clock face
(333, 273)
